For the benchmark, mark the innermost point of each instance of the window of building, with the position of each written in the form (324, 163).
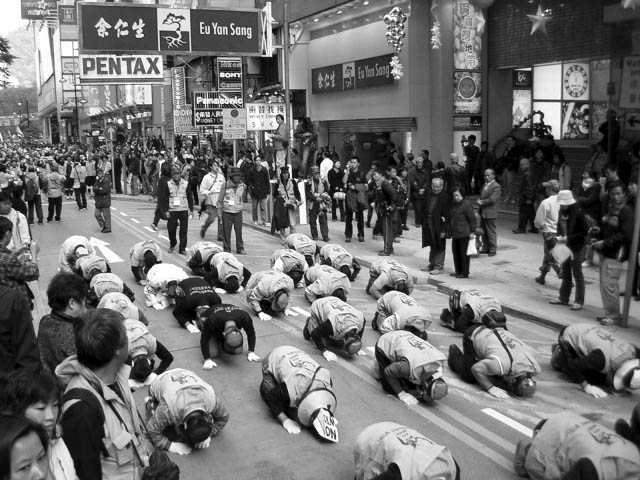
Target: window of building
(572, 96)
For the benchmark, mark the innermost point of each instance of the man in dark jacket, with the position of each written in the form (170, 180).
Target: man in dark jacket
(102, 196)
(386, 208)
(455, 175)
(472, 152)
(318, 200)
(526, 196)
(66, 294)
(18, 347)
(258, 185)
(419, 182)
(356, 183)
(435, 225)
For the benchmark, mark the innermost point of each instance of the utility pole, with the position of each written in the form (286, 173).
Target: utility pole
(285, 51)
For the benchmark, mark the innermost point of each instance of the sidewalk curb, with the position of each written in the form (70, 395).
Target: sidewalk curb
(443, 287)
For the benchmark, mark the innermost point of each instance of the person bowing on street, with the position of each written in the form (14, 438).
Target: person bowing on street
(228, 274)
(390, 451)
(569, 446)
(185, 412)
(221, 327)
(589, 355)
(160, 279)
(339, 258)
(143, 348)
(386, 275)
(72, 248)
(303, 245)
(323, 280)
(199, 257)
(495, 353)
(268, 294)
(337, 325)
(144, 255)
(191, 294)
(290, 262)
(467, 307)
(399, 311)
(410, 368)
(299, 392)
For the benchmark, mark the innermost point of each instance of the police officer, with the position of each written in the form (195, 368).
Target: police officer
(103, 283)
(227, 273)
(189, 294)
(298, 391)
(568, 446)
(399, 311)
(336, 324)
(339, 258)
(160, 279)
(120, 303)
(407, 362)
(495, 352)
(199, 257)
(467, 307)
(386, 275)
(221, 327)
(390, 451)
(143, 346)
(323, 280)
(71, 249)
(187, 412)
(144, 255)
(290, 262)
(303, 245)
(590, 354)
(268, 293)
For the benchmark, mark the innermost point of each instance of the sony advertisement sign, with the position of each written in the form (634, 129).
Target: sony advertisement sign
(101, 69)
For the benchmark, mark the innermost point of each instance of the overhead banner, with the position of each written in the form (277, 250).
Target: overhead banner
(100, 69)
(154, 29)
(208, 106)
(262, 116)
(37, 9)
(365, 73)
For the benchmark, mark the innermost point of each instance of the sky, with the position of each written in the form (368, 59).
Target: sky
(10, 19)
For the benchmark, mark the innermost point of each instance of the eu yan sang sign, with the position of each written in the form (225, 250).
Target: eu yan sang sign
(370, 72)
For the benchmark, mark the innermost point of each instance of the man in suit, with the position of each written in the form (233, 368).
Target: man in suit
(488, 210)
(435, 225)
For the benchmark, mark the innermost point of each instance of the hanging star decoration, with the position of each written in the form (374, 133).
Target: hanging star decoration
(632, 4)
(539, 21)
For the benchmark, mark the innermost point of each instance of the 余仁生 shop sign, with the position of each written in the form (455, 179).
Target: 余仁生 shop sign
(365, 73)
(150, 29)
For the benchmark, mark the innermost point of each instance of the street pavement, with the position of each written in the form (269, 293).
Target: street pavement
(480, 431)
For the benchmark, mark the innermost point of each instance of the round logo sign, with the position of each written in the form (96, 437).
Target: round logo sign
(467, 87)
(576, 81)
(234, 112)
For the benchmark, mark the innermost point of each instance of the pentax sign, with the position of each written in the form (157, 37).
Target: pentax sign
(140, 28)
(103, 69)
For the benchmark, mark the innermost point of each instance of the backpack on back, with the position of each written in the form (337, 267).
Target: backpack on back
(30, 190)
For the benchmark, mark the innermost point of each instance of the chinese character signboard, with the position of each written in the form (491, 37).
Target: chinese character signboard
(229, 74)
(207, 107)
(151, 29)
(178, 86)
(467, 41)
(262, 116)
(37, 9)
(630, 85)
(234, 123)
(100, 69)
(369, 72)
(522, 79)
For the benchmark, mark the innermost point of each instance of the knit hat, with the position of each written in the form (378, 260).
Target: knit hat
(281, 301)
(234, 171)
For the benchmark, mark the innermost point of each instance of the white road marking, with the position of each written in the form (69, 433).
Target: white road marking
(302, 311)
(107, 253)
(124, 214)
(164, 237)
(149, 229)
(509, 422)
(136, 221)
(371, 349)
(114, 209)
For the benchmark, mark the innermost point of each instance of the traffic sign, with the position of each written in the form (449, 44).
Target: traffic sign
(234, 123)
(632, 121)
(110, 133)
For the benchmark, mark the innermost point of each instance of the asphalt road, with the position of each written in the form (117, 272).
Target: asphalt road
(480, 431)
